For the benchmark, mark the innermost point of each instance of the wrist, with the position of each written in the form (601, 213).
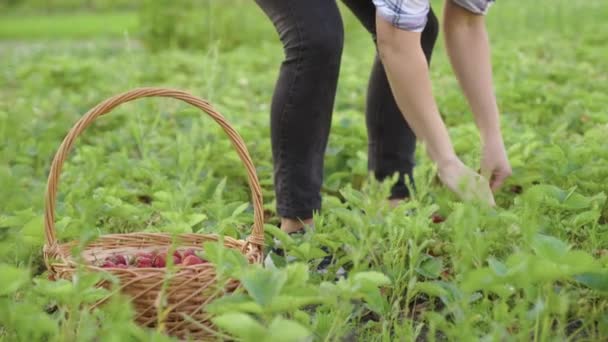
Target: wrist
(491, 135)
(489, 126)
(447, 161)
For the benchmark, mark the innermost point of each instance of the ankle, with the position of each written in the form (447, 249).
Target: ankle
(394, 202)
(289, 225)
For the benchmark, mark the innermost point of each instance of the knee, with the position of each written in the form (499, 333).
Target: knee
(320, 45)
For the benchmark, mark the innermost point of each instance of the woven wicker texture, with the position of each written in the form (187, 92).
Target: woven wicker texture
(190, 287)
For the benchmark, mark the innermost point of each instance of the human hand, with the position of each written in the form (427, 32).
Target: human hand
(464, 182)
(494, 162)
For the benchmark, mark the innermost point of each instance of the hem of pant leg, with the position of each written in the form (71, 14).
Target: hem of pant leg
(302, 214)
(400, 194)
(401, 189)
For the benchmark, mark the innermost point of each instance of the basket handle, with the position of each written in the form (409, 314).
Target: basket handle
(257, 235)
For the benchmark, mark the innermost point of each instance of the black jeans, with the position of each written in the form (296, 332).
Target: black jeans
(312, 35)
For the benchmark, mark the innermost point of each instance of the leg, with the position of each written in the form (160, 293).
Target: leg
(392, 143)
(312, 35)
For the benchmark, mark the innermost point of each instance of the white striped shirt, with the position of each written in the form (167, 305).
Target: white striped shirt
(411, 15)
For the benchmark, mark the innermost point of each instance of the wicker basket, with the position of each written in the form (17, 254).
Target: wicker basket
(186, 294)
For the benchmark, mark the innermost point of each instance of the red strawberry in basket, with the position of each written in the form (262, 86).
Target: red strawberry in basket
(188, 252)
(177, 258)
(118, 259)
(159, 261)
(108, 264)
(192, 260)
(144, 259)
(146, 255)
(143, 262)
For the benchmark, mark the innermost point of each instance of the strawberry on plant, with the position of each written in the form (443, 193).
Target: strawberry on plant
(437, 218)
(516, 189)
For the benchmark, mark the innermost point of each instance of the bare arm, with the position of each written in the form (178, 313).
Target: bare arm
(408, 75)
(468, 48)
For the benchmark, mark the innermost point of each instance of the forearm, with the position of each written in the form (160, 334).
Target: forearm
(408, 76)
(468, 48)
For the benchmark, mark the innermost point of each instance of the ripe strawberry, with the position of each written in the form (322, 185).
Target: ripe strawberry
(118, 259)
(143, 262)
(188, 252)
(108, 264)
(177, 257)
(159, 261)
(437, 218)
(176, 260)
(121, 266)
(146, 255)
(192, 260)
(516, 189)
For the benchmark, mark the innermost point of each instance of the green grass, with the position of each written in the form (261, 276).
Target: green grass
(536, 268)
(66, 26)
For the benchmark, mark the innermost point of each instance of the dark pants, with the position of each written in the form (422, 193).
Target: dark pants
(312, 35)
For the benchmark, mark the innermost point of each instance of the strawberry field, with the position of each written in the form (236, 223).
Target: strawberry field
(535, 268)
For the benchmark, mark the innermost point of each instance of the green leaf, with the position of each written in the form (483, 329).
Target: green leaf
(278, 233)
(431, 268)
(195, 219)
(482, 278)
(282, 303)
(297, 276)
(283, 330)
(576, 201)
(34, 230)
(277, 261)
(93, 294)
(263, 284)
(578, 262)
(239, 210)
(226, 260)
(545, 270)
(60, 290)
(375, 301)
(430, 288)
(594, 280)
(241, 325)
(549, 247)
(234, 303)
(372, 277)
(586, 217)
(12, 279)
(348, 217)
(498, 267)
